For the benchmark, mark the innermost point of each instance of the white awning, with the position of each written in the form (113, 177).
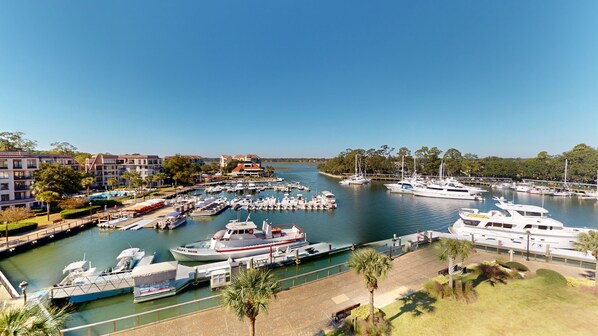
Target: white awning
(74, 266)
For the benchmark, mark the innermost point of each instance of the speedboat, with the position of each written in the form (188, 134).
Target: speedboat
(451, 189)
(241, 239)
(172, 221)
(513, 222)
(127, 260)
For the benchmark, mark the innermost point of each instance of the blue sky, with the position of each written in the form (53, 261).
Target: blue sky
(301, 78)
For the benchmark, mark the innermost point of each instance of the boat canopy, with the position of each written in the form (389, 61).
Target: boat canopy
(154, 273)
(130, 252)
(173, 214)
(74, 266)
(236, 225)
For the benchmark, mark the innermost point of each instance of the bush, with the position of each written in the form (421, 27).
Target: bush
(363, 312)
(575, 282)
(108, 203)
(551, 277)
(513, 265)
(17, 228)
(462, 289)
(72, 203)
(76, 213)
(494, 273)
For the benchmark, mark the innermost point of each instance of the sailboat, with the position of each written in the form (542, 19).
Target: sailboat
(404, 186)
(359, 177)
(565, 192)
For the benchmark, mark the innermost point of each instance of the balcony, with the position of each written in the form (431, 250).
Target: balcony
(31, 166)
(17, 166)
(23, 177)
(21, 187)
(3, 167)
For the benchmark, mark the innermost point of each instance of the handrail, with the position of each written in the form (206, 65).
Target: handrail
(113, 321)
(9, 288)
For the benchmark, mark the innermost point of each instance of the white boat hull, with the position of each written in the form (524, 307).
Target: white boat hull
(446, 194)
(204, 254)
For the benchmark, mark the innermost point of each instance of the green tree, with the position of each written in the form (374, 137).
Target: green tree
(181, 169)
(373, 266)
(453, 160)
(452, 249)
(63, 148)
(130, 176)
(148, 180)
(48, 197)
(81, 157)
(249, 294)
(56, 177)
(112, 182)
(588, 242)
(86, 182)
(13, 215)
(160, 177)
(30, 319)
(15, 141)
(470, 165)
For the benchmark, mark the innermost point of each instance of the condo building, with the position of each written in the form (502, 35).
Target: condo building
(104, 167)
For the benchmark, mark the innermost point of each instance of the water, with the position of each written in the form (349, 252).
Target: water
(364, 214)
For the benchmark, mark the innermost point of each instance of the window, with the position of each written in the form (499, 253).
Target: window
(3, 164)
(17, 164)
(4, 198)
(3, 186)
(542, 227)
(31, 163)
(3, 175)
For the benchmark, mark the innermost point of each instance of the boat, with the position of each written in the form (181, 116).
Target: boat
(211, 208)
(513, 222)
(523, 187)
(449, 188)
(541, 190)
(404, 186)
(241, 239)
(358, 178)
(329, 197)
(172, 221)
(564, 192)
(76, 272)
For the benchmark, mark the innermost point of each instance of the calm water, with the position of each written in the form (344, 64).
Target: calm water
(364, 214)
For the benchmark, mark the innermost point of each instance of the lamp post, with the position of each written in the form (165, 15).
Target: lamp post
(527, 257)
(23, 287)
(90, 211)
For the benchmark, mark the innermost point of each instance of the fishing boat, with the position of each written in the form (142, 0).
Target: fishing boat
(241, 239)
(513, 222)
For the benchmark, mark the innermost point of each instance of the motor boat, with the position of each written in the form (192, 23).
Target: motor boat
(241, 239)
(513, 222)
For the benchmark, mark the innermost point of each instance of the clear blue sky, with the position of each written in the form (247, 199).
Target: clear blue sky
(301, 78)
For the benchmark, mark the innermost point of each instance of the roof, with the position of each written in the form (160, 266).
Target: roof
(521, 207)
(236, 225)
(130, 252)
(185, 156)
(74, 266)
(241, 166)
(146, 270)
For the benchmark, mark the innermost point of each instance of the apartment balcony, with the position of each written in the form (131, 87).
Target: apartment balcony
(20, 177)
(21, 187)
(18, 200)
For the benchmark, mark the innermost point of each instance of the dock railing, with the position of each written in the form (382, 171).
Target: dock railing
(194, 306)
(8, 286)
(32, 238)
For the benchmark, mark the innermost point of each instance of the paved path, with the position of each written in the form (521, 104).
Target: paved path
(306, 310)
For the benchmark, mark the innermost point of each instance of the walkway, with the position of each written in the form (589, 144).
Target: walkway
(306, 310)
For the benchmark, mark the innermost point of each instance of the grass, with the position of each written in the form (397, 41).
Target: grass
(42, 220)
(525, 307)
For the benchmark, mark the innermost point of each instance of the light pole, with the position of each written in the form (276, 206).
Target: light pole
(90, 210)
(23, 287)
(527, 257)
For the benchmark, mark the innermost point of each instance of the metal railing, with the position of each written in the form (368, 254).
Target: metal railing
(9, 288)
(40, 234)
(194, 306)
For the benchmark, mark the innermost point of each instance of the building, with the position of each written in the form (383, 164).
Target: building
(16, 175)
(103, 167)
(249, 165)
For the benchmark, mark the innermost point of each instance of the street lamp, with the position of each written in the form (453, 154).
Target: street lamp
(23, 287)
(90, 211)
(527, 258)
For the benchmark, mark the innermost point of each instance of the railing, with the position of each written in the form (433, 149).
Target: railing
(136, 320)
(21, 177)
(9, 288)
(40, 234)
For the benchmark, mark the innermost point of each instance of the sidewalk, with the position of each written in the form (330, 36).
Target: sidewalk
(307, 310)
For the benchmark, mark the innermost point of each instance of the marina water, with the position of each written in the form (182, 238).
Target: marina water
(365, 214)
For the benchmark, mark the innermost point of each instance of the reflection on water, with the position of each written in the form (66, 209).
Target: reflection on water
(365, 213)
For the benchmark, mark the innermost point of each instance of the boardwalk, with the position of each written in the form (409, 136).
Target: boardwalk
(306, 310)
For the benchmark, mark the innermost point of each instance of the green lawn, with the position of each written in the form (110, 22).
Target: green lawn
(521, 307)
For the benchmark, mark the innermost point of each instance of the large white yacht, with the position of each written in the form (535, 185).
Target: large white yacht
(241, 239)
(513, 222)
(449, 188)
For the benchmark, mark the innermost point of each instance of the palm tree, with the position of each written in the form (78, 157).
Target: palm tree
(111, 182)
(86, 182)
(249, 293)
(373, 266)
(452, 249)
(160, 177)
(149, 179)
(48, 197)
(30, 319)
(588, 242)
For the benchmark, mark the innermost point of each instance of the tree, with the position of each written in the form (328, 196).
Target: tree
(81, 157)
(452, 249)
(250, 293)
(148, 180)
(56, 177)
(180, 168)
(14, 141)
(130, 177)
(30, 319)
(13, 215)
(588, 242)
(48, 197)
(64, 148)
(72, 202)
(160, 177)
(86, 182)
(112, 182)
(373, 266)
(453, 161)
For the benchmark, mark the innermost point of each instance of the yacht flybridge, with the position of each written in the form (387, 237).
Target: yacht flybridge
(513, 222)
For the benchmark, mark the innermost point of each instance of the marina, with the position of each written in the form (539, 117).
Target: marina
(363, 215)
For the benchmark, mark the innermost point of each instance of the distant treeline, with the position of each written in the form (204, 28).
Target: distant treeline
(298, 160)
(582, 166)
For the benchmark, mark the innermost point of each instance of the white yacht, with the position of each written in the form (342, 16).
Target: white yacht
(358, 178)
(241, 239)
(523, 187)
(513, 222)
(451, 189)
(171, 221)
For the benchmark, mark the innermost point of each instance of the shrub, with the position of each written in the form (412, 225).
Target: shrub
(76, 213)
(551, 277)
(462, 289)
(513, 265)
(494, 273)
(363, 312)
(72, 203)
(17, 228)
(575, 282)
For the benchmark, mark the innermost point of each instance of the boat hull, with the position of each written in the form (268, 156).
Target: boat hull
(446, 194)
(204, 254)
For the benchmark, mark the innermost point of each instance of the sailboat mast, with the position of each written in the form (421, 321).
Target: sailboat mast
(403, 167)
